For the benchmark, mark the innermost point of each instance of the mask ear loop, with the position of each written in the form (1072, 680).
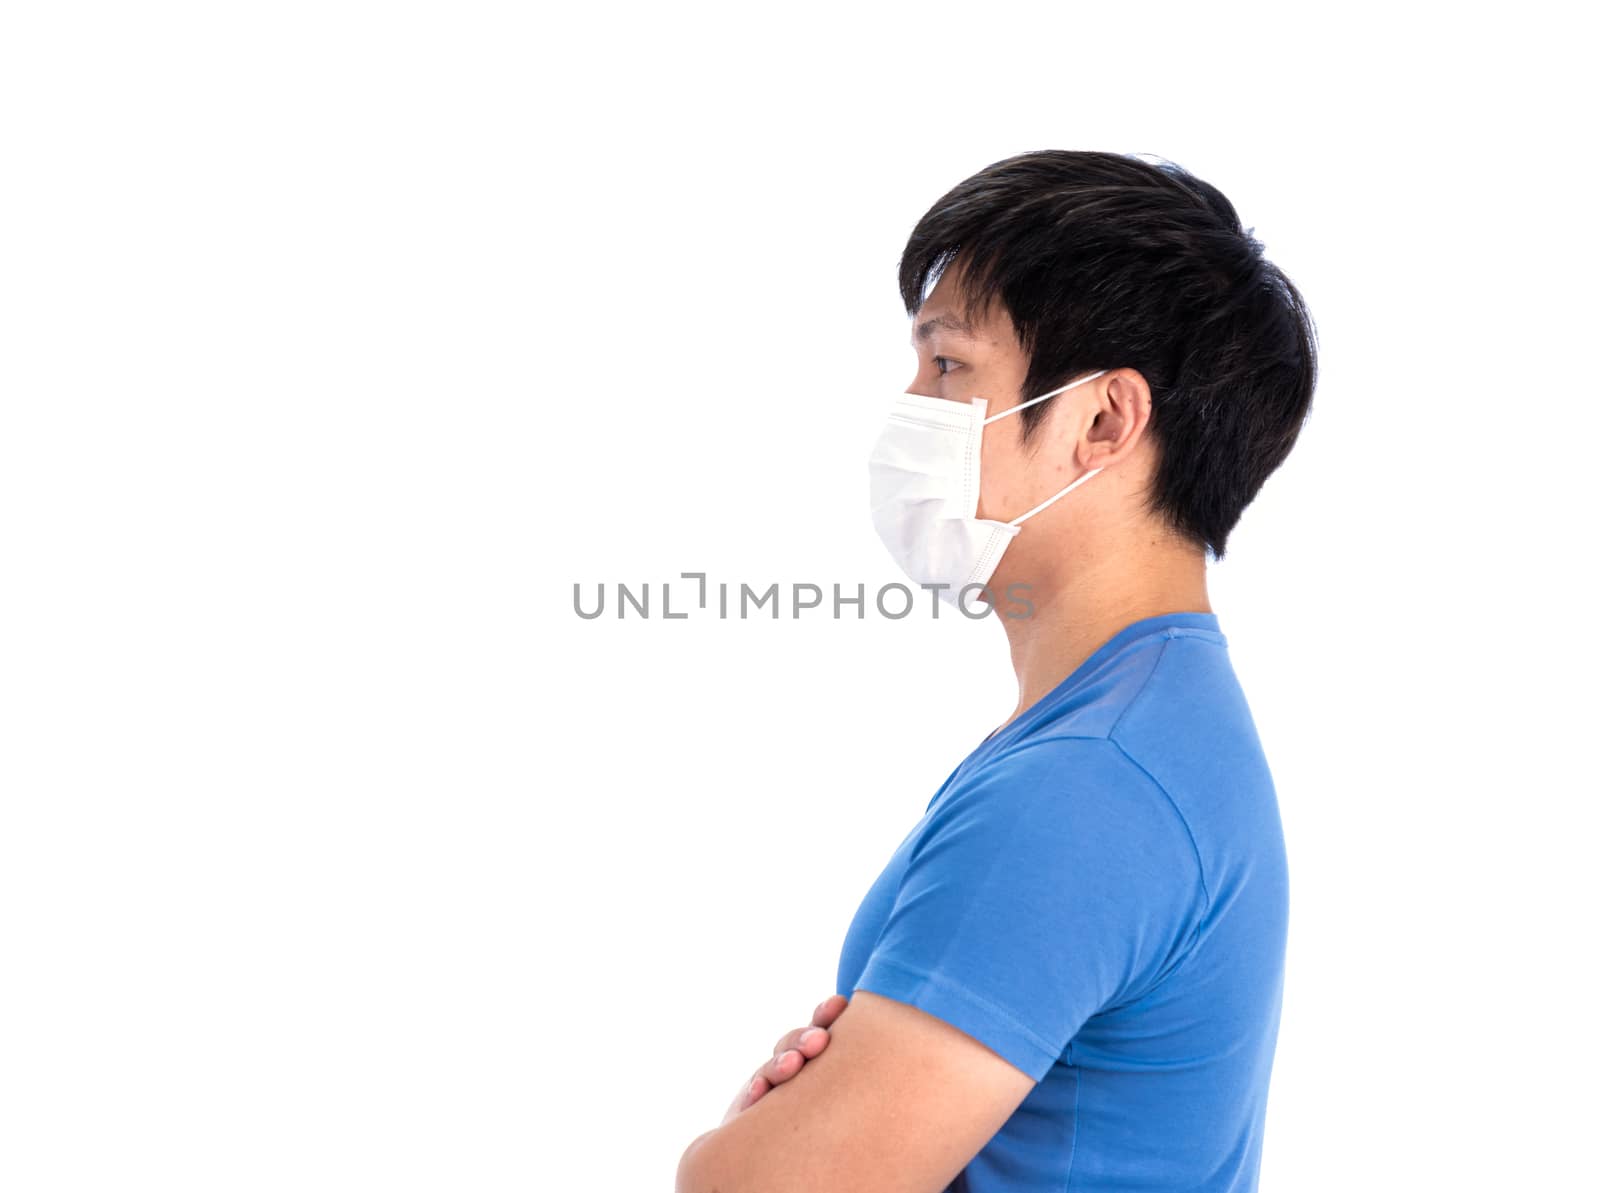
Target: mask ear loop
(1048, 502)
(1042, 397)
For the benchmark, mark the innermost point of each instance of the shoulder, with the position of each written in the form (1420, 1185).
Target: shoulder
(1061, 799)
(1190, 731)
(1187, 699)
(1168, 675)
(1054, 776)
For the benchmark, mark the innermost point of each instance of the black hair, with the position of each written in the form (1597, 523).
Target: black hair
(1104, 261)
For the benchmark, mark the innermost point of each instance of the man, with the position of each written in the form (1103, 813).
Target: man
(1069, 974)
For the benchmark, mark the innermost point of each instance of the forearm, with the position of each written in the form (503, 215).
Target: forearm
(682, 1184)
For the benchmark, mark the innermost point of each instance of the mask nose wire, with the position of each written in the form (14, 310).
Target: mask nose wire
(1042, 397)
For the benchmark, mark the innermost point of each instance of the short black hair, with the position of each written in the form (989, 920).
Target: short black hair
(1104, 261)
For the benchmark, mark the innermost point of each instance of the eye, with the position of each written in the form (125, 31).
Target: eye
(940, 361)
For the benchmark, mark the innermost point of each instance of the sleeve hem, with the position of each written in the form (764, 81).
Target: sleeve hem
(991, 1025)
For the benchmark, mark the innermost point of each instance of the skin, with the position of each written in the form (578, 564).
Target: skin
(1096, 560)
(789, 1055)
(886, 1097)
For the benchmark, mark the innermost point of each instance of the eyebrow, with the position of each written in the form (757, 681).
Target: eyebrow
(950, 322)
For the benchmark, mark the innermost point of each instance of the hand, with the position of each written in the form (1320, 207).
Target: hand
(790, 1055)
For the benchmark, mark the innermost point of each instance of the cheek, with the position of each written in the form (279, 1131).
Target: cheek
(999, 477)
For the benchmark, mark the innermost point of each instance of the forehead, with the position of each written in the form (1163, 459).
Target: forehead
(929, 323)
(942, 321)
(944, 315)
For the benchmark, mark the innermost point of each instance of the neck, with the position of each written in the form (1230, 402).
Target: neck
(1075, 614)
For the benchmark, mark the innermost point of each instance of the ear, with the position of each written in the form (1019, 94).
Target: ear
(1117, 419)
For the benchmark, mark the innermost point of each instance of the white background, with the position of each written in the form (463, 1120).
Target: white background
(339, 341)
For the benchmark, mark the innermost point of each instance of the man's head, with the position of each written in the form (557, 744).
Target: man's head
(1054, 264)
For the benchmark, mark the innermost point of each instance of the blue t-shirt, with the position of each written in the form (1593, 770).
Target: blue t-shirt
(1099, 894)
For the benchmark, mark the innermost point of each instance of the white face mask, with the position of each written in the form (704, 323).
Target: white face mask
(924, 471)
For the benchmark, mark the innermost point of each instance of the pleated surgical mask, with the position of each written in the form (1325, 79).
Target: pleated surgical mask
(924, 491)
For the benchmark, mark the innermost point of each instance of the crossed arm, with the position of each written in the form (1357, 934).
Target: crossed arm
(898, 1102)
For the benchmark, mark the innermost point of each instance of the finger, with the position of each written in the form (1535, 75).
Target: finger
(808, 1041)
(752, 1093)
(826, 1012)
(812, 1041)
(829, 1009)
(783, 1066)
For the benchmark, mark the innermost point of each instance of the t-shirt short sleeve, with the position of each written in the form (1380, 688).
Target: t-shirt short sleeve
(1052, 881)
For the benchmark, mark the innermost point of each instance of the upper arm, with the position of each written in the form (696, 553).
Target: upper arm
(898, 1102)
(1049, 884)
(1057, 881)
